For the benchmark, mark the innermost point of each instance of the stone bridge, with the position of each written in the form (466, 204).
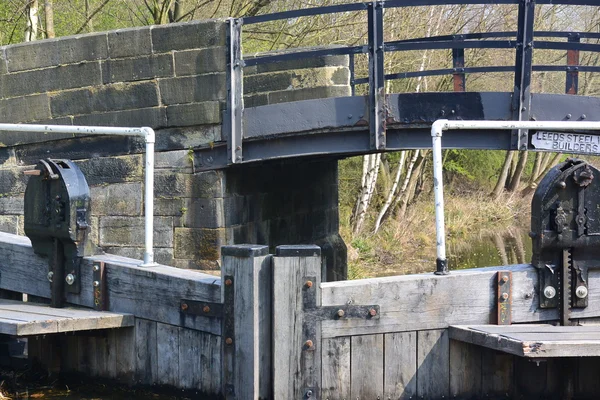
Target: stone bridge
(173, 79)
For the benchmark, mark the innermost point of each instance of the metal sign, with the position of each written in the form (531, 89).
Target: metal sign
(566, 142)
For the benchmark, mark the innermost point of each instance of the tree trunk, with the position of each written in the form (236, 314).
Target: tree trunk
(89, 25)
(516, 178)
(31, 27)
(49, 18)
(369, 180)
(503, 175)
(392, 191)
(533, 185)
(412, 184)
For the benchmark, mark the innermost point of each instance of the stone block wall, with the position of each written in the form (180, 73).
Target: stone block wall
(171, 78)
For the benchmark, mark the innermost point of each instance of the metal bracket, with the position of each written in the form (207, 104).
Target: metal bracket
(504, 297)
(314, 314)
(99, 285)
(202, 308)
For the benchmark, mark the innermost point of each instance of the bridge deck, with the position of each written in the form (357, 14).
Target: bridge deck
(23, 319)
(533, 341)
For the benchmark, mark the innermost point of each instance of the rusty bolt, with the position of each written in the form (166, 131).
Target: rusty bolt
(228, 341)
(228, 282)
(184, 306)
(206, 309)
(372, 312)
(308, 284)
(308, 344)
(340, 313)
(505, 296)
(505, 278)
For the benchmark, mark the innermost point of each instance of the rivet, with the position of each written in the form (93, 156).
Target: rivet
(96, 283)
(583, 116)
(505, 296)
(184, 306)
(308, 344)
(228, 282)
(569, 116)
(206, 309)
(70, 279)
(308, 284)
(96, 268)
(505, 278)
(349, 116)
(523, 108)
(372, 312)
(340, 313)
(228, 341)
(309, 393)
(561, 185)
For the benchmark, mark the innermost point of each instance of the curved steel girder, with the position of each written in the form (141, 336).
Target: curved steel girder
(339, 126)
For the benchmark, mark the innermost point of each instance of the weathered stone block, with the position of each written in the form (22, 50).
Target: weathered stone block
(137, 69)
(9, 224)
(256, 100)
(162, 255)
(94, 234)
(178, 160)
(206, 185)
(129, 231)
(3, 64)
(188, 35)
(25, 109)
(154, 117)
(60, 51)
(205, 113)
(296, 79)
(118, 96)
(11, 205)
(306, 62)
(129, 42)
(191, 89)
(170, 207)
(12, 181)
(203, 213)
(104, 170)
(308, 94)
(202, 61)
(187, 137)
(206, 266)
(51, 79)
(117, 199)
(198, 244)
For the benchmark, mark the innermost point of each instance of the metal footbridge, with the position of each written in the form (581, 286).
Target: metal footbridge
(380, 121)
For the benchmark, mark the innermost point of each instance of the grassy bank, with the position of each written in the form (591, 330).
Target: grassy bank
(408, 245)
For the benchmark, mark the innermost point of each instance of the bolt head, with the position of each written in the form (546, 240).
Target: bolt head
(309, 393)
(228, 282)
(96, 268)
(504, 278)
(372, 312)
(340, 313)
(561, 185)
(308, 284)
(308, 344)
(228, 341)
(206, 309)
(70, 279)
(581, 292)
(549, 292)
(184, 306)
(50, 276)
(96, 283)
(504, 296)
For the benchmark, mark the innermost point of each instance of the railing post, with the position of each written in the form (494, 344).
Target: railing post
(377, 114)
(235, 86)
(246, 285)
(521, 101)
(296, 337)
(572, 80)
(458, 66)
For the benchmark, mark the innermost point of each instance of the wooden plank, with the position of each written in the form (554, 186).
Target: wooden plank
(152, 293)
(496, 374)
(435, 302)
(433, 360)
(189, 358)
(146, 365)
(20, 319)
(400, 374)
(465, 370)
(167, 347)
(250, 267)
(531, 379)
(366, 367)
(125, 355)
(588, 378)
(335, 379)
(210, 363)
(296, 367)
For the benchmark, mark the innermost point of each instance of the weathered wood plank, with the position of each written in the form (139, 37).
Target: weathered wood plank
(530, 378)
(125, 355)
(250, 267)
(366, 367)
(496, 374)
(335, 379)
(427, 301)
(588, 378)
(190, 373)
(20, 319)
(210, 363)
(465, 370)
(146, 365)
(152, 293)
(167, 347)
(400, 374)
(433, 359)
(296, 366)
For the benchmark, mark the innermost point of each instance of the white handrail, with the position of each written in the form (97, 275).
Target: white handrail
(438, 186)
(145, 132)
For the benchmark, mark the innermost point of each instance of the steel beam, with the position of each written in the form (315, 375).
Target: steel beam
(233, 122)
(377, 114)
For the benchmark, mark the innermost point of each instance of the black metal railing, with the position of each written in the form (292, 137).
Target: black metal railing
(521, 40)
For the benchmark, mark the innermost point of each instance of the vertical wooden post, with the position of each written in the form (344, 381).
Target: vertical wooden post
(296, 337)
(246, 285)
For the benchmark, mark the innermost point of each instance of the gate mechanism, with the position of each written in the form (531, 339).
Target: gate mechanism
(565, 229)
(57, 212)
